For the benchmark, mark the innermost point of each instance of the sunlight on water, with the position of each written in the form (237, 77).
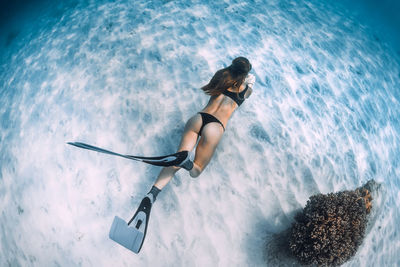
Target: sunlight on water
(324, 117)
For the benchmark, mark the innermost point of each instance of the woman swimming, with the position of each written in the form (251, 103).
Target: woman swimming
(228, 88)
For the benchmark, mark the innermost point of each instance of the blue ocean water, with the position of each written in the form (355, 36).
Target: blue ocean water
(125, 75)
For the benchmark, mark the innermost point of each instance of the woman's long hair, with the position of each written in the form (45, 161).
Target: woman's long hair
(232, 76)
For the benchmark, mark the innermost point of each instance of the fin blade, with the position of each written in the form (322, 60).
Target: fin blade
(165, 161)
(128, 237)
(126, 234)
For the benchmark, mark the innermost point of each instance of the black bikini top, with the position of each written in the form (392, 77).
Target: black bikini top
(237, 97)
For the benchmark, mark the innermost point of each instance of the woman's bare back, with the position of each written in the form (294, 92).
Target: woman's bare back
(222, 107)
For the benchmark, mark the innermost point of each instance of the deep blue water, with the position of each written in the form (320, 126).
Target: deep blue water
(324, 117)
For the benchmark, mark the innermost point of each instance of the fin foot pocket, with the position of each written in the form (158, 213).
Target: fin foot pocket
(186, 163)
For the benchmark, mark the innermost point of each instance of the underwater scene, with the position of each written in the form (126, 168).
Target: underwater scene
(324, 117)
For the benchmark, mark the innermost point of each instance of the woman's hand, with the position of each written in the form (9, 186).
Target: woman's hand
(250, 80)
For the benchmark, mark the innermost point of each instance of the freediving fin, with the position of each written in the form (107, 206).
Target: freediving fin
(168, 160)
(131, 235)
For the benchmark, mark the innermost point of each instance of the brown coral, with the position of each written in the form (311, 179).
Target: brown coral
(331, 227)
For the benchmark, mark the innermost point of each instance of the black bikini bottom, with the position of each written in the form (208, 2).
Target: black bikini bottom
(207, 118)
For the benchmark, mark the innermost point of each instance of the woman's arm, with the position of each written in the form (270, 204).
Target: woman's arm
(250, 80)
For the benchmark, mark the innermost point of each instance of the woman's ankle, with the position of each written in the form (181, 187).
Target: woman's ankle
(154, 193)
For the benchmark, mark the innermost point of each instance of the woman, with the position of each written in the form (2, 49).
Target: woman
(228, 88)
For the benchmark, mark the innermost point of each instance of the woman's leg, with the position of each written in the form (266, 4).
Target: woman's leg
(210, 137)
(188, 142)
